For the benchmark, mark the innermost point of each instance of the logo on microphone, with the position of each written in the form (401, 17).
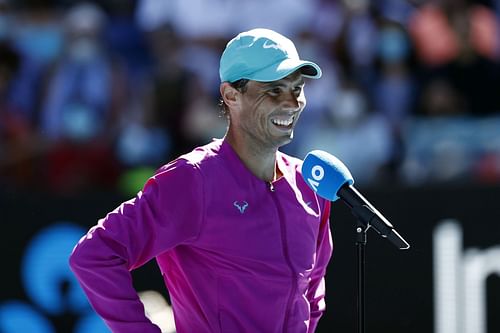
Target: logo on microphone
(317, 173)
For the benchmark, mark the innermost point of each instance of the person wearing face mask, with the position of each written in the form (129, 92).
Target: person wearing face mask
(84, 96)
(241, 240)
(79, 93)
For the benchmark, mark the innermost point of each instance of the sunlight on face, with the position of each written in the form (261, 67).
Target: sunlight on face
(270, 110)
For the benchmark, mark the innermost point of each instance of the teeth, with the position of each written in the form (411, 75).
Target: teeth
(282, 122)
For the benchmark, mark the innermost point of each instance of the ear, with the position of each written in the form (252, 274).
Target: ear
(229, 94)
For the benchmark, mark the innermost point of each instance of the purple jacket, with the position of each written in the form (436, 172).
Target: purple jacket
(237, 254)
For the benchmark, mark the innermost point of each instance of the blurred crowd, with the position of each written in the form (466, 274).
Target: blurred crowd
(96, 95)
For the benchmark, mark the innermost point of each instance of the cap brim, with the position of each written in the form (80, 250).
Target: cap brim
(282, 69)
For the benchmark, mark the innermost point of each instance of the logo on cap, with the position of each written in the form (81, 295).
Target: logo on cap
(267, 45)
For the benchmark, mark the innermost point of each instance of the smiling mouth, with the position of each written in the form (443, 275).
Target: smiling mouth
(283, 122)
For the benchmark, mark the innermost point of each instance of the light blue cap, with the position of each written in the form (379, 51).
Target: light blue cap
(263, 55)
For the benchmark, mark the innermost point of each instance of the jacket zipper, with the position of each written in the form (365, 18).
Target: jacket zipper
(286, 254)
(271, 186)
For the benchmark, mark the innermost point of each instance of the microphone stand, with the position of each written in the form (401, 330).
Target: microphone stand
(361, 230)
(365, 215)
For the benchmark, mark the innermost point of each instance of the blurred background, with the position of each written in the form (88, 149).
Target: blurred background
(96, 95)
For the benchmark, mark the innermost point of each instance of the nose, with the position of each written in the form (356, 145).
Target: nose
(294, 102)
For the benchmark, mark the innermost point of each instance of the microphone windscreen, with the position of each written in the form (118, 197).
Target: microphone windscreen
(325, 174)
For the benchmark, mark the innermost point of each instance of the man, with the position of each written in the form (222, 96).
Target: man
(241, 240)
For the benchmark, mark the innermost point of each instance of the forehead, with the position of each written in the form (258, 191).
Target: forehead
(295, 78)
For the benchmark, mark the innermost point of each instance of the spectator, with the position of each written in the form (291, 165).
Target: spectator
(125, 39)
(166, 93)
(85, 93)
(457, 44)
(18, 143)
(394, 89)
(355, 134)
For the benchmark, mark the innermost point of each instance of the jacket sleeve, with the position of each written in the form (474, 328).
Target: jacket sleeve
(324, 248)
(168, 212)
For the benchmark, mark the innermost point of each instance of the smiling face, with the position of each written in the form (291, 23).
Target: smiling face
(266, 113)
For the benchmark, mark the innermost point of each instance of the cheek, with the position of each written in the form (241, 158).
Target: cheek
(256, 108)
(302, 99)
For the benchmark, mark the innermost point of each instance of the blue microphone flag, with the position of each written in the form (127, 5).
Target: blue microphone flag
(325, 174)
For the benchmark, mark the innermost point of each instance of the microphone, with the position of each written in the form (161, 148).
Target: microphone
(330, 179)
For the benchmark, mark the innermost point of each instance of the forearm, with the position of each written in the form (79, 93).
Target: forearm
(107, 282)
(131, 235)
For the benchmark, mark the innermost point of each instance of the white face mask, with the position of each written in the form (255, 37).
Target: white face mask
(84, 49)
(356, 5)
(348, 108)
(393, 45)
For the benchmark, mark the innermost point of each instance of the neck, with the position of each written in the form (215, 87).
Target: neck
(260, 161)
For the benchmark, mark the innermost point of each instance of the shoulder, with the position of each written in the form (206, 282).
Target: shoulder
(194, 161)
